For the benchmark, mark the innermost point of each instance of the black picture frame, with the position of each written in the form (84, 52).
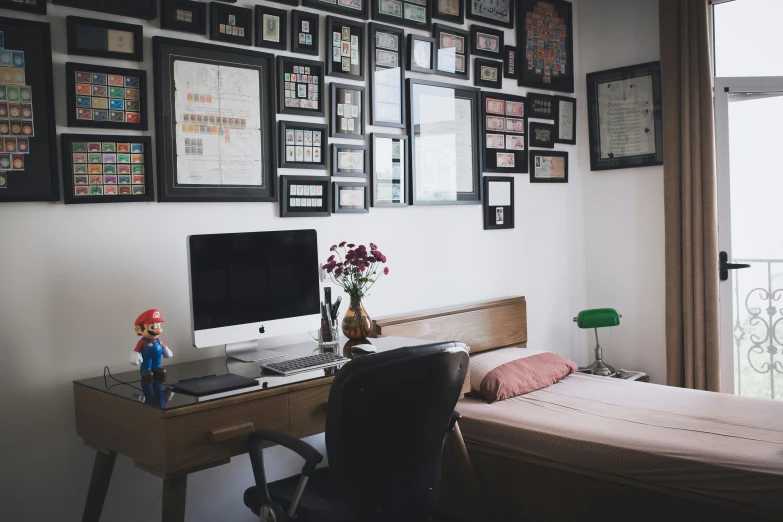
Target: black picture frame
(540, 106)
(285, 159)
(480, 33)
(185, 16)
(416, 53)
(562, 134)
(400, 20)
(219, 23)
(355, 43)
(128, 112)
(298, 18)
(495, 213)
(292, 205)
(437, 158)
(485, 11)
(384, 163)
(362, 13)
(510, 61)
(165, 52)
(36, 177)
(337, 122)
(455, 14)
(144, 9)
(118, 182)
(387, 107)
(541, 135)
(93, 37)
(535, 154)
(342, 170)
(446, 61)
(262, 12)
(497, 108)
(630, 73)
(37, 6)
(339, 208)
(480, 66)
(286, 65)
(556, 18)
(292, 3)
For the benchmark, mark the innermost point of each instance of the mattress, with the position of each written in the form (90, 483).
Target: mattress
(718, 445)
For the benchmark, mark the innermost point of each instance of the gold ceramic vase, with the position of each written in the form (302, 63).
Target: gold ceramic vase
(356, 323)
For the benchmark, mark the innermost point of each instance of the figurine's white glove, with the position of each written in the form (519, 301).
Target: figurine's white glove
(136, 358)
(168, 354)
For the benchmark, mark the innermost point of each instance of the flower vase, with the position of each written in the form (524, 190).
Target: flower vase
(356, 323)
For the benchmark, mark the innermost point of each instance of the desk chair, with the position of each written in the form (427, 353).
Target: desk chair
(388, 416)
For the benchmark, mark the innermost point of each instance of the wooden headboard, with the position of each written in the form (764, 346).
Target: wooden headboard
(483, 326)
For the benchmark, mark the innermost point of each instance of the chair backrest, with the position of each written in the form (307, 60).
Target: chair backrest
(385, 427)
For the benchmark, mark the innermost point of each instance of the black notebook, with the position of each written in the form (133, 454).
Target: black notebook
(213, 384)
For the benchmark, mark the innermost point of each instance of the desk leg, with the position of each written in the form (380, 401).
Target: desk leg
(99, 485)
(174, 490)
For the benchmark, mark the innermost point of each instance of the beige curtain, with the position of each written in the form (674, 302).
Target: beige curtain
(690, 192)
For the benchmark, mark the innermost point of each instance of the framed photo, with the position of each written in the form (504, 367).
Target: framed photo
(498, 203)
(99, 168)
(231, 24)
(213, 143)
(387, 93)
(28, 150)
(184, 15)
(443, 126)
(488, 73)
(542, 135)
(346, 117)
(485, 41)
(540, 106)
(614, 145)
(305, 196)
(389, 170)
(548, 166)
(503, 125)
(565, 120)
(106, 97)
(350, 197)
(92, 37)
(304, 32)
(421, 54)
(452, 56)
(353, 8)
(271, 28)
(495, 12)
(144, 9)
(350, 160)
(31, 6)
(509, 61)
(408, 13)
(301, 86)
(546, 26)
(344, 41)
(452, 11)
(302, 145)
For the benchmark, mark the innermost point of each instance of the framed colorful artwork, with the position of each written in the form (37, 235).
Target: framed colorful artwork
(509, 61)
(305, 196)
(452, 56)
(565, 120)
(350, 161)
(271, 27)
(31, 6)
(353, 8)
(350, 197)
(540, 106)
(344, 42)
(230, 24)
(28, 150)
(92, 37)
(301, 86)
(548, 166)
(545, 29)
(106, 97)
(144, 9)
(503, 124)
(421, 54)
(304, 32)
(495, 12)
(387, 93)
(407, 13)
(302, 145)
(346, 117)
(488, 73)
(485, 41)
(452, 11)
(185, 16)
(389, 170)
(498, 202)
(541, 135)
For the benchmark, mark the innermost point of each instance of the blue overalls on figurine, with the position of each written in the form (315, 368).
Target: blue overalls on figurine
(150, 349)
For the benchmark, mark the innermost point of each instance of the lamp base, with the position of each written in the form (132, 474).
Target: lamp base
(601, 368)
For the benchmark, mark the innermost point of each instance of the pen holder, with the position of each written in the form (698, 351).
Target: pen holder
(325, 342)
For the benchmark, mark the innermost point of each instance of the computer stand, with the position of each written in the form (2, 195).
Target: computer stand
(251, 351)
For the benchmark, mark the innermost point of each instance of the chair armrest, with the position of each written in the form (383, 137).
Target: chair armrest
(455, 417)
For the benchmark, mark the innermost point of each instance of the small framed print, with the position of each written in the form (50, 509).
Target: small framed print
(144, 9)
(541, 135)
(304, 32)
(185, 16)
(488, 73)
(548, 166)
(300, 86)
(565, 120)
(504, 147)
(386, 46)
(485, 41)
(509, 61)
(408, 13)
(302, 145)
(344, 42)
(347, 111)
(305, 196)
(106, 97)
(498, 202)
(350, 197)
(452, 53)
(228, 23)
(271, 27)
(449, 11)
(350, 160)
(389, 170)
(91, 37)
(31, 6)
(421, 54)
(540, 106)
(353, 8)
(495, 12)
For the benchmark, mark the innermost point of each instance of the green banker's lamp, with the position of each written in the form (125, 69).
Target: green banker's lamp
(598, 318)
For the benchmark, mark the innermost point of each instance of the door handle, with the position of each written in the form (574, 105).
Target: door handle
(725, 266)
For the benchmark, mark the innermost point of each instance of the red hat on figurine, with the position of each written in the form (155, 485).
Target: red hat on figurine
(149, 317)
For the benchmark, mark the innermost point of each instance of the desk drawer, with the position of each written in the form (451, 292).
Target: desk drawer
(308, 411)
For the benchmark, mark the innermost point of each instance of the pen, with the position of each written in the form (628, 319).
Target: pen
(336, 308)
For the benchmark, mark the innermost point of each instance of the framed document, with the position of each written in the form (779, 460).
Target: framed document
(304, 32)
(344, 43)
(452, 57)
(351, 161)
(496, 12)
(305, 196)
(421, 54)
(92, 37)
(625, 117)
(350, 197)
(302, 145)
(452, 11)
(498, 203)
(503, 124)
(488, 73)
(214, 122)
(545, 28)
(485, 41)
(301, 86)
(186, 16)
(542, 135)
(347, 111)
(389, 170)
(31, 6)
(408, 13)
(565, 120)
(144, 9)
(509, 61)
(445, 148)
(387, 93)
(353, 8)
(548, 166)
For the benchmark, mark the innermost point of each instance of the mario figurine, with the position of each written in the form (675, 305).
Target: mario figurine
(149, 349)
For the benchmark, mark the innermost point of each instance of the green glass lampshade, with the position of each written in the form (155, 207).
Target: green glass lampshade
(598, 318)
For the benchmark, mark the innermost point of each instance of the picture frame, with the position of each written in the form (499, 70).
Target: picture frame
(499, 205)
(295, 138)
(343, 97)
(389, 170)
(295, 203)
(106, 97)
(486, 42)
(271, 28)
(565, 120)
(292, 3)
(344, 58)
(416, 14)
(421, 54)
(504, 146)
(452, 11)
(452, 54)
(640, 88)
(538, 68)
(176, 61)
(541, 135)
(353, 8)
(185, 16)
(386, 49)
(305, 97)
(540, 106)
(104, 39)
(29, 171)
(305, 32)
(350, 197)
(488, 73)
(495, 12)
(230, 24)
(548, 166)
(510, 61)
(448, 171)
(101, 168)
(30, 6)
(144, 9)
(352, 161)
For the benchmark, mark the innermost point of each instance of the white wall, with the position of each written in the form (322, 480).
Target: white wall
(75, 277)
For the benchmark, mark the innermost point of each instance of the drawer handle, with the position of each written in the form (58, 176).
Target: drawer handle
(232, 432)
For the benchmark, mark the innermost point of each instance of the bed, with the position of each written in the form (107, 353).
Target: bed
(591, 447)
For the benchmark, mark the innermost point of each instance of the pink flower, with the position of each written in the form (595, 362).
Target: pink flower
(386, 270)
(351, 245)
(338, 271)
(333, 248)
(342, 244)
(373, 246)
(331, 258)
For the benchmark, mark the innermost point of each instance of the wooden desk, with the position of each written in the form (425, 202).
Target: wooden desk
(172, 436)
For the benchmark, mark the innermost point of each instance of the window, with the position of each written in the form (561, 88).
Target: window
(748, 38)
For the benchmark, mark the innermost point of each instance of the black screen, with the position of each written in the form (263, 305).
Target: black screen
(253, 277)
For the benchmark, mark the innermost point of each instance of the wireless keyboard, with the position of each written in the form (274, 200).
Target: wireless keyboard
(305, 364)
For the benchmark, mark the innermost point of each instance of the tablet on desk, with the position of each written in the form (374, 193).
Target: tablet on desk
(211, 384)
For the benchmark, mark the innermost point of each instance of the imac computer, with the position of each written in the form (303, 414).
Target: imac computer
(247, 287)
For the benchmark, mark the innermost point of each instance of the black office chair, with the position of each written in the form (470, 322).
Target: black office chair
(389, 414)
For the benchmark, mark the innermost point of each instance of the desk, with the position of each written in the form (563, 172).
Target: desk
(171, 437)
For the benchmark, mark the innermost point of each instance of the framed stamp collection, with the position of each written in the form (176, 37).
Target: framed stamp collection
(185, 16)
(305, 196)
(548, 166)
(498, 202)
(345, 48)
(91, 37)
(387, 95)
(271, 27)
(347, 111)
(509, 61)
(350, 160)
(304, 32)
(230, 24)
(389, 170)
(545, 28)
(452, 56)
(300, 86)
(31, 6)
(302, 145)
(503, 126)
(350, 197)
